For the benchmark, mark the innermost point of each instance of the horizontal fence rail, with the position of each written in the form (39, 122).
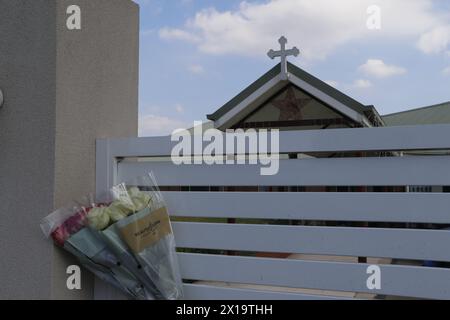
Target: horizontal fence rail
(396, 171)
(335, 241)
(427, 137)
(331, 206)
(210, 292)
(408, 281)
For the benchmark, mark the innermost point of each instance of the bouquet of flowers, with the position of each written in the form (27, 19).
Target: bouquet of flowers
(68, 229)
(127, 242)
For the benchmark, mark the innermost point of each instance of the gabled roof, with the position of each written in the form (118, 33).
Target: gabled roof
(303, 77)
(435, 114)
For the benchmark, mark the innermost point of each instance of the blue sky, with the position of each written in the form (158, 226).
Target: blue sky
(196, 55)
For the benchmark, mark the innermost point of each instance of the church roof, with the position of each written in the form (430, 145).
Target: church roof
(302, 75)
(435, 114)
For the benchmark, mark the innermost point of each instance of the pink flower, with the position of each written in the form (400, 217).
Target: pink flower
(60, 235)
(72, 225)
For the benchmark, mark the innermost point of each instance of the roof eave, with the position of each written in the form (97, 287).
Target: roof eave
(272, 73)
(314, 86)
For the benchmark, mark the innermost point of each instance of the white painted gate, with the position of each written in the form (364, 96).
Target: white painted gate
(116, 161)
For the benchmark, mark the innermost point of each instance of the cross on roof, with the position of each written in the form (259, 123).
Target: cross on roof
(283, 53)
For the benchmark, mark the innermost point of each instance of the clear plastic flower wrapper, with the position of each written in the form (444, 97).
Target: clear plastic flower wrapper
(68, 229)
(137, 228)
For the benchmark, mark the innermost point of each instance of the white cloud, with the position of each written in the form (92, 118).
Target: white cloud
(196, 69)
(153, 125)
(362, 84)
(178, 34)
(147, 32)
(332, 83)
(446, 71)
(377, 68)
(317, 27)
(179, 108)
(436, 40)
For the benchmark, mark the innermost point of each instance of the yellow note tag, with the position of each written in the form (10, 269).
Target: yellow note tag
(146, 230)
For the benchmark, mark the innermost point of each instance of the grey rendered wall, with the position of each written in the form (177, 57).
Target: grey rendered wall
(63, 89)
(27, 145)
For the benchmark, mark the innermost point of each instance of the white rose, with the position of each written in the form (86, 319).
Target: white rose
(140, 199)
(118, 211)
(98, 218)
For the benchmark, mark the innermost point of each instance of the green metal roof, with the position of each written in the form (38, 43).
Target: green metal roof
(435, 114)
(299, 73)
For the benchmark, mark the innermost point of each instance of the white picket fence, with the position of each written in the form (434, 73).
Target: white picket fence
(396, 243)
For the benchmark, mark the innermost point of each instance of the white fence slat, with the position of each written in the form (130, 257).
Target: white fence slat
(342, 206)
(337, 241)
(211, 292)
(416, 170)
(407, 281)
(425, 137)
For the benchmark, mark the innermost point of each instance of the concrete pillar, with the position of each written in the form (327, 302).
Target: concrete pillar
(62, 90)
